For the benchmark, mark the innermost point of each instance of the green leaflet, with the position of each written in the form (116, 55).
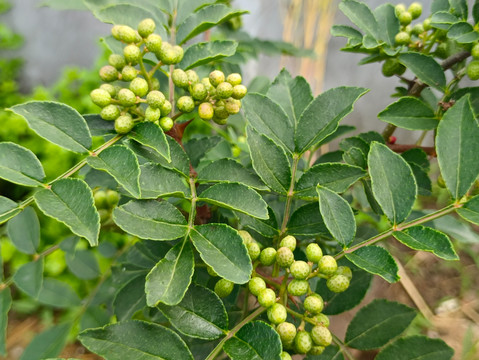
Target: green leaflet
(19, 165)
(130, 298)
(156, 181)
(71, 202)
(377, 323)
(24, 231)
(376, 260)
(307, 220)
(410, 113)
(168, 281)
(56, 122)
(151, 135)
(135, 339)
(29, 278)
(8, 209)
(425, 68)
(47, 344)
(83, 264)
(470, 210)
(58, 294)
(254, 341)
(457, 147)
(360, 14)
(203, 53)
(393, 183)
(416, 348)
(121, 163)
(236, 197)
(150, 219)
(221, 247)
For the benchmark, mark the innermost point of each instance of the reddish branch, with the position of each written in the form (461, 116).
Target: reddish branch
(400, 148)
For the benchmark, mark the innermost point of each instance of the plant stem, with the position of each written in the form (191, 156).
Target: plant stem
(343, 347)
(191, 217)
(388, 233)
(290, 195)
(216, 351)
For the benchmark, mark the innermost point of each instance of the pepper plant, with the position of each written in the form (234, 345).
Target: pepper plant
(220, 234)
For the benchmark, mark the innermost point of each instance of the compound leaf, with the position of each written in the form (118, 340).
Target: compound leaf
(376, 260)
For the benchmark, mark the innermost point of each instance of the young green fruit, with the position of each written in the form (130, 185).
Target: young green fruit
(124, 124)
(321, 336)
(185, 104)
(475, 51)
(117, 61)
(253, 250)
(399, 9)
(267, 298)
(417, 29)
(256, 285)
(104, 215)
(108, 73)
(132, 54)
(178, 53)
(267, 256)
(220, 121)
(322, 320)
(220, 112)
(415, 9)
(316, 350)
(152, 114)
(303, 342)
(313, 252)
(300, 270)
(126, 34)
(232, 106)
(146, 27)
(110, 112)
(139, 86)
(344, 270)
(247, 238)
(100, 199)
(338, 283)
(180, 78)
(100, 97)
(109, 88)
(126, 98)
(166, 123)
(286, 331)
(285, 356)
(472, 70)
(223, 288)
(224, 90)
(234, 79)
(393, 67)
(128, 73)
(153, 43)
(206, 111)
(277, 314)
(166, 54)
(327, 265)
(210, 271)
(314, 304)
(298, 287)
(427, 24)
(284, 257)
(198, 91)
(216, 77)
(402, 38)
(405, 18)
(112, 198)
(165, 108)
(155, 99)
(193, 77)
(239, 92)
(289, 242)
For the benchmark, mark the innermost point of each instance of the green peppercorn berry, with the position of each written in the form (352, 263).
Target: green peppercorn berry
(155, 99)
(344, 270)
(321, 336)
(288, 241)
(109, 88)
(223, 288)
(117, 61)
(338, 283)
(475, 51)
(314, 304)
(152, 114)
(198, 91)
(427, 24)
(115, 31)
(285, 356)
(178, 51)
(300, 270)
(224, 90)
(268, 256)
(100, 199)
(124, 124)
(210, 271)
(112, 198)
(393, 67)
(415, 9)
(417, 29)
(127, 34)
(180, 78)
(132, 54)
(256, 285)
(472, 70)
(185, 104)
(153, 43)
(100, 97)
(440, 182)
(298, 287)
(239, 92)
(110, 112)
(234, 79)
(206, 82)
(206, 111)
(108, 73)
(139, 86)
(220, 112)
(277, 314)
(402, 38)
(126, 98)
(166, 123)
(327, 265)
(253, 250)
(316, 350)
(146, 27)
(405, 18)
(232, 106)
(216, 77)
(192, 77)
(235, 151)
(165, 108)
(247, 238)
(166, 54)
(267, 298)
(104, 215)
(321, 319)
(220, 121)
(314, 252)
(303, 342)
(128, 73)
(284, 257)
(399, 9)
(286, 331)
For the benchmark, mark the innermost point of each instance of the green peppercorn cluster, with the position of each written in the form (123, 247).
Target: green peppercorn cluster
(293, 281)
(105, 201)
(217, 96)
(131, 93)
